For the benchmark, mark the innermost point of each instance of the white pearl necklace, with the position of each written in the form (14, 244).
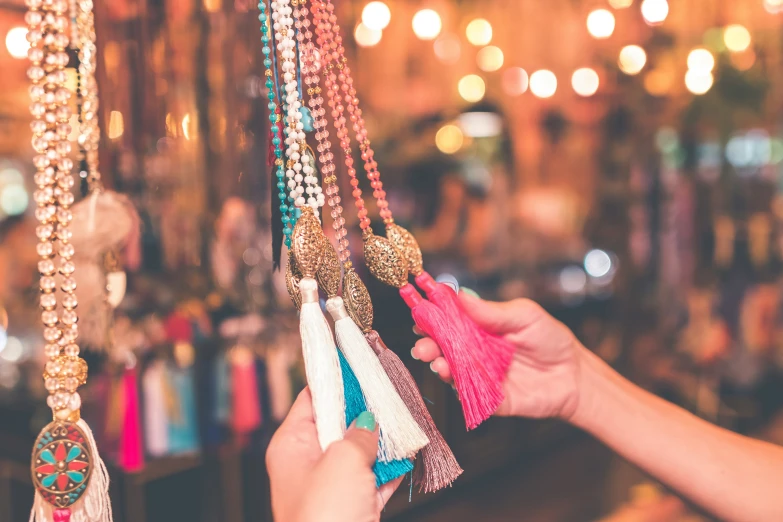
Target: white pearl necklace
(300, 164)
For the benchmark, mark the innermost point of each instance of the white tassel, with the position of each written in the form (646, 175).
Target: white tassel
(156, 422)
(322, 366)
(401, 436)
(95, 505)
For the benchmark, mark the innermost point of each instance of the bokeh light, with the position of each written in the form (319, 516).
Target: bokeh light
(471, 88)
(701, 61)
(366, 37)
(116, 125)
(490, 58)
(448, 48)
(655, 11)
(13, 350)
(585, 81)
(16, 42)
(14, 200)
(736, 37)
(659, 82)
(543, 83)
(449, 139)
(427, 24)
(515, 81)
(376, 16)
(698, 82)
(632, 59)
(600, 23)
(479, 32)
(744, 60)
(620, 4)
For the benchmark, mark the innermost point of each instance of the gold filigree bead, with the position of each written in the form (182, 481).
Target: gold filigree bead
(385, 261)
(407, 245)
(292, 278)
(328, 275)
(357, 300)
(308, 243)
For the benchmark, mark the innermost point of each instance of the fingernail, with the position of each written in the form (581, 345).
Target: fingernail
(432, 368)
(413, 354)
(365, 421)
(469, 292)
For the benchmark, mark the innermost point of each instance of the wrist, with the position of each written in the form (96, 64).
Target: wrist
(593, 383)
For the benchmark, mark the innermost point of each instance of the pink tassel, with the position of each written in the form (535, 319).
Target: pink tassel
(478, 391)
(131, 454)
(246, 408)
(61, 515)
(437, 467)
(495, 353)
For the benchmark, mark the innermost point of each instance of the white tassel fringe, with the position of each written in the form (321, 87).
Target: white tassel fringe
(401, 436)
(322, 366)
(95, 505)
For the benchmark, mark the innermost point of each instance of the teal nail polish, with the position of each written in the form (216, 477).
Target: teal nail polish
(470, 292)
(366, 421)
(413, 354)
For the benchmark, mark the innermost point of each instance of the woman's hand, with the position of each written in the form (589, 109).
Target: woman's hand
(544, 377)
(336, 486)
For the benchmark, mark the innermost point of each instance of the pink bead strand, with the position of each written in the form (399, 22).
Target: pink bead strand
(338, 117)
(333, 42)
(310, 69)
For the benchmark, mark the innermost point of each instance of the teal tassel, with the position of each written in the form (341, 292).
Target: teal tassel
(354, 405)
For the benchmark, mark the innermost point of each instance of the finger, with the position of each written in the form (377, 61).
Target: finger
(426, 350)
(441, 367)
(503, 317)
(418, 332)
(301, 410)
(387, 490)
(359, 447)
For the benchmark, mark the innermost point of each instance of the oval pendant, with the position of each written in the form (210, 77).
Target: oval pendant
(61, 463)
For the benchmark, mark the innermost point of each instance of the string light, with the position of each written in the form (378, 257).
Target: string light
(543, 83)
(600, 23)
(449, 139)
(632, 59)
(515, 81)
(16, 42)
(655, 12)
(471, 88)
(585, 81)
(479, 32)
(620, 4)
(427, 24)
(773, 6)
(490, 58)
(366, 37)
(744, 60)
(447, 48)
(736, 37)
(698, 82)
(701, 61)
(376, 16)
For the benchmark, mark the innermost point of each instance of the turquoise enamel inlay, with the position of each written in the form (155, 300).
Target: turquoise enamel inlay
(48, 481)
(73, 453)
(75, 476)
(47, 457)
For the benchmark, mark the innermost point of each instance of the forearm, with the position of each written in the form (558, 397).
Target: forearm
(736, 478)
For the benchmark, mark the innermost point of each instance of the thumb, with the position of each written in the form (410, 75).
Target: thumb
(501, 318)
(359, 447)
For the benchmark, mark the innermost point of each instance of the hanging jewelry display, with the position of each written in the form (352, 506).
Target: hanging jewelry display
(401, 436)
(69, 476)
(307, 241)
(478, 360)
(353, 313)
(104, 221)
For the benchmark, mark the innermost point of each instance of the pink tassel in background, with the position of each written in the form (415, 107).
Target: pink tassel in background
(246, 407)
(437, 467)
(131, 453)
(494, 352)
(479, 392)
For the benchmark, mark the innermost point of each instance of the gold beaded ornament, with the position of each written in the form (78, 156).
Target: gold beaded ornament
(67, 472)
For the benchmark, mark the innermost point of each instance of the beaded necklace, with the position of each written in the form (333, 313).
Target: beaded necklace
(64, 454)
(478, 360)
